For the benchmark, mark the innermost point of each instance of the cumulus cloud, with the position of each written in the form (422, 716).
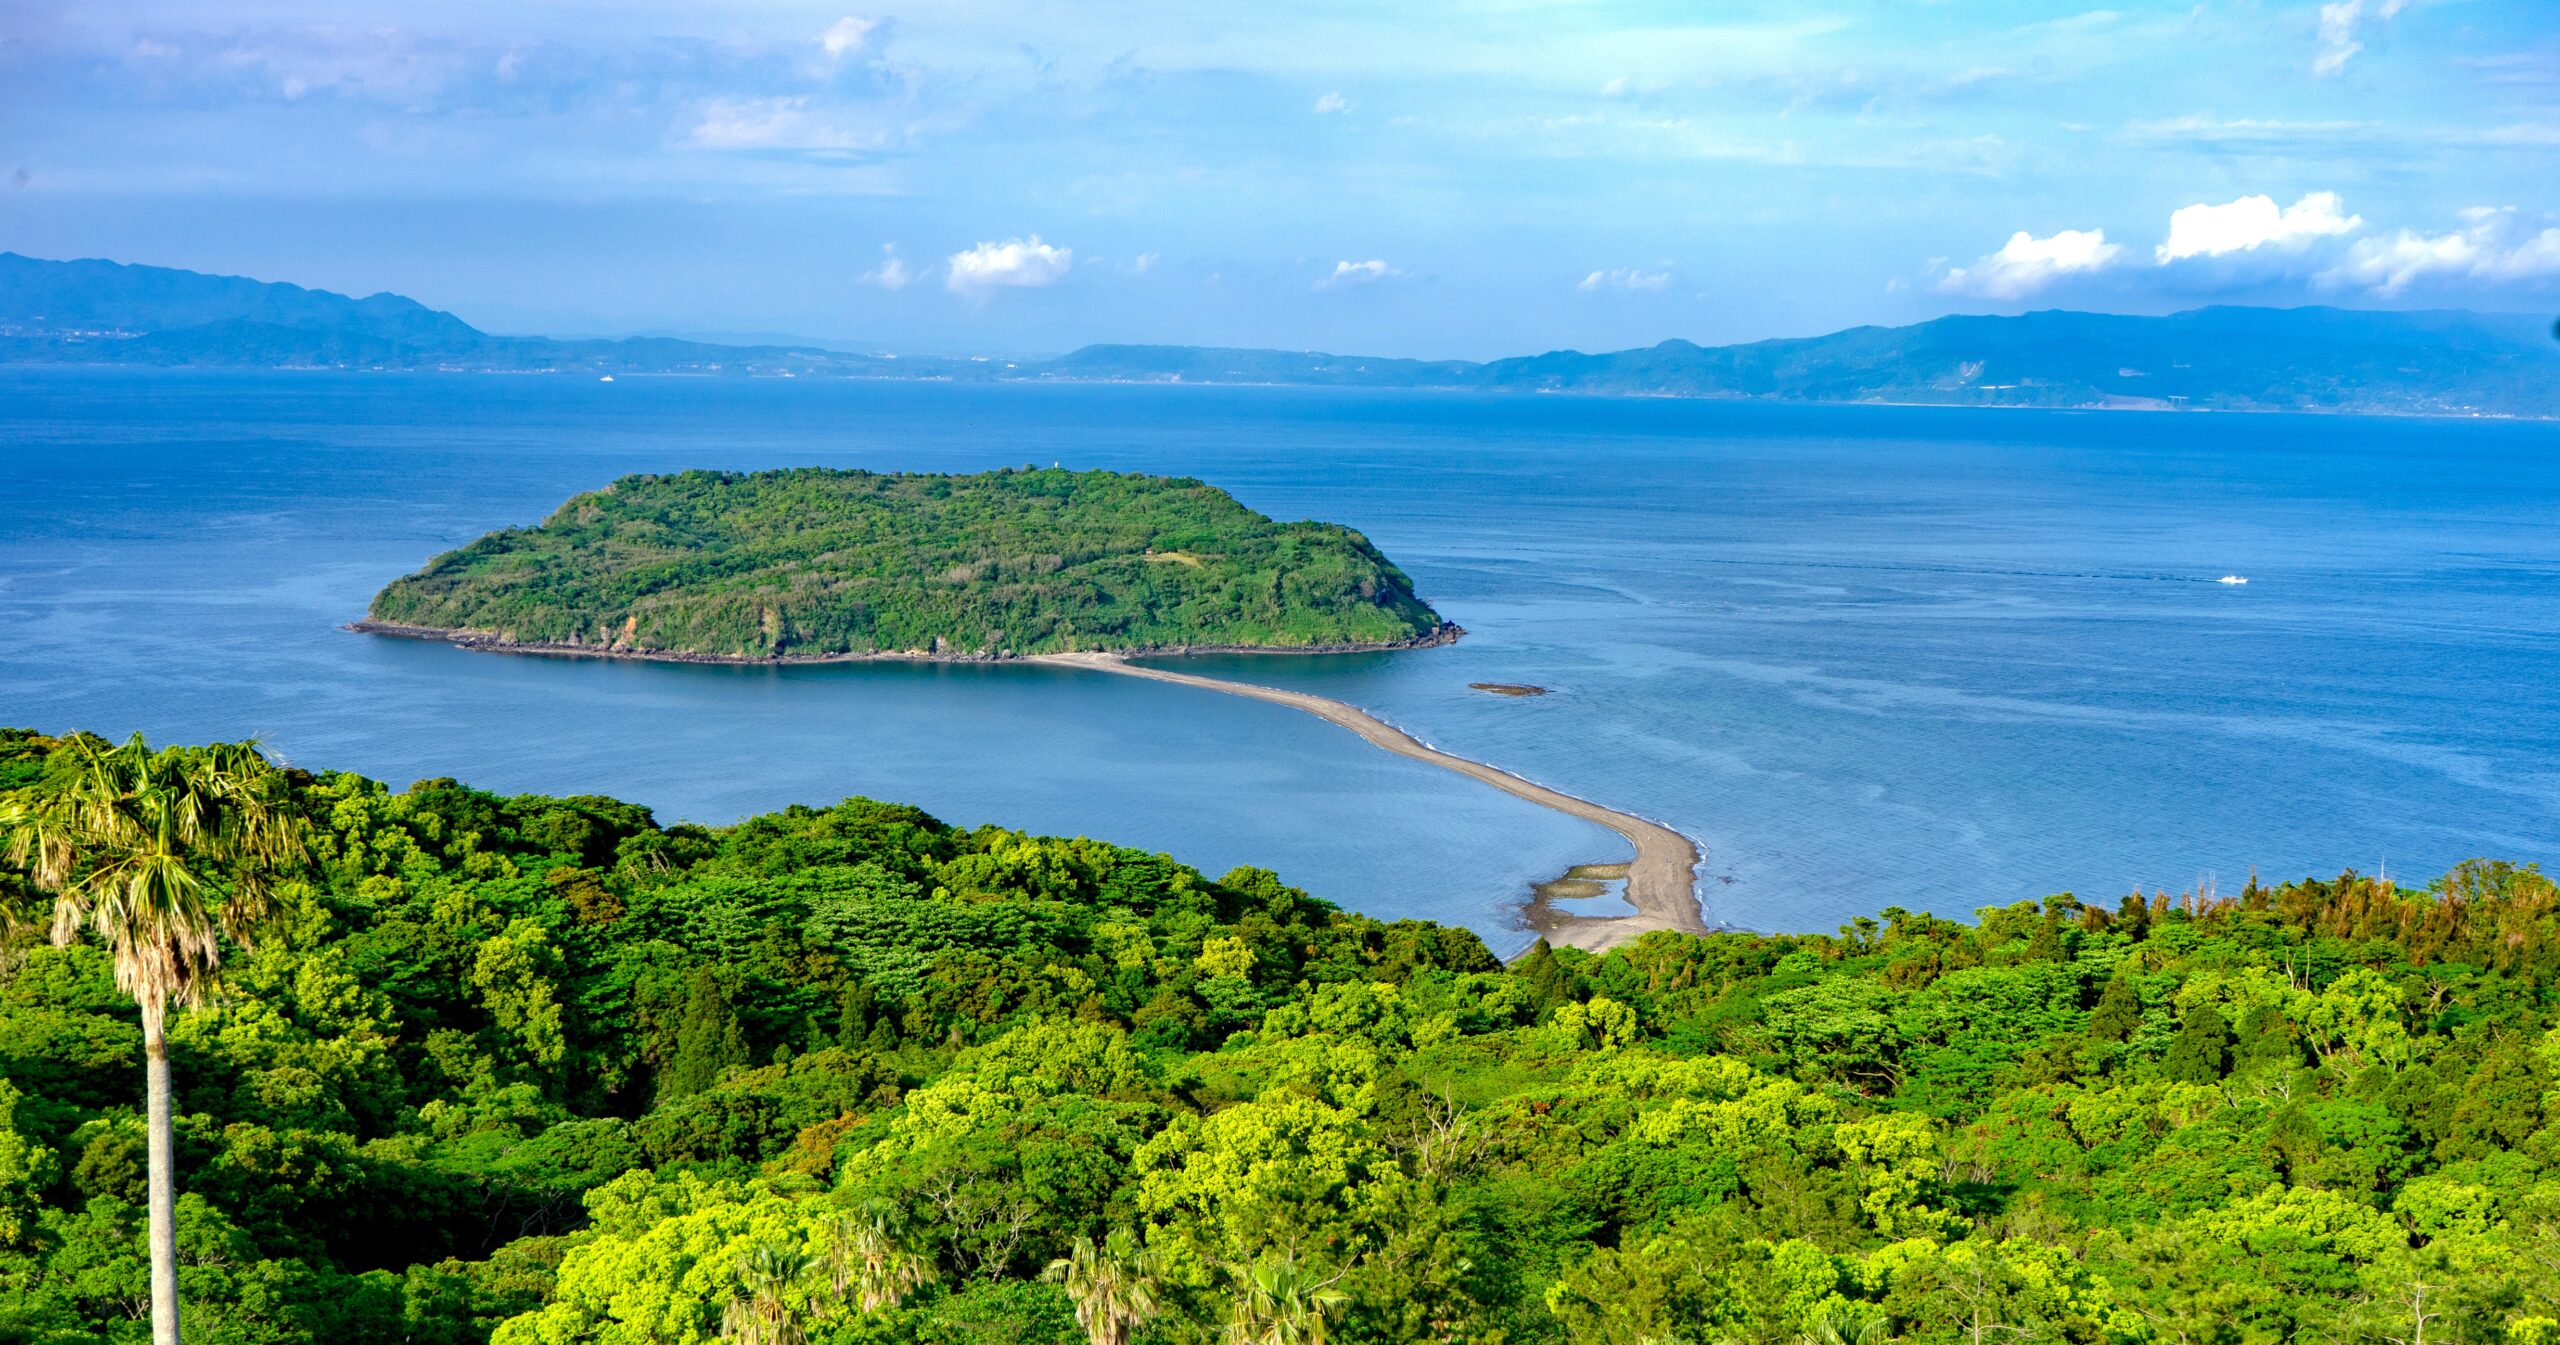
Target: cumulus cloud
(892, 273)
(2339, 21)
(847, 37)
(2028, 263)
(2254, 222)
(2490, 246)
(1624, 278)
(1357, 273)
(1332, 103)
(1020, 263)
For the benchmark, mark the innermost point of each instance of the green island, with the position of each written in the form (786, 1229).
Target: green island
(527, 1070)
(814, 563)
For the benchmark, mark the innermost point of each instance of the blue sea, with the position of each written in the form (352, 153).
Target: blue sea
(1866, 656)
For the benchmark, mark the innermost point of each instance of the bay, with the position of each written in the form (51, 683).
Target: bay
(1867, 656)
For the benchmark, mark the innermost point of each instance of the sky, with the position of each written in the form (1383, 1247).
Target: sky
(1429, 179)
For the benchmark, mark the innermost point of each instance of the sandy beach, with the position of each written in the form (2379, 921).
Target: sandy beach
(1661, 880)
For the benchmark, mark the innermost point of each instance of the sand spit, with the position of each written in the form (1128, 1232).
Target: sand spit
(1661, 881)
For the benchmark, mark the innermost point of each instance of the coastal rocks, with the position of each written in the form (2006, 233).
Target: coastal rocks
(939, 651)
(1448, 632)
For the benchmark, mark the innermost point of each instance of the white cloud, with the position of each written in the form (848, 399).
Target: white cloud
(1624, 278)
(1332, 103)
(2338, 22)
(2028, 263)
(892, 273)
(1143, 263)
(2389, 264)
(847, 36)
(2491, 247)
(2532, 258)
(1020, 263)
(776, 123)
(2253, 222)
(1357, 273)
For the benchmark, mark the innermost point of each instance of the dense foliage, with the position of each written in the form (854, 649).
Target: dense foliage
(816, 562)
(540, 1070)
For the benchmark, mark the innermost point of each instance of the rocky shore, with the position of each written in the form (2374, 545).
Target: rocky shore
(498, 643)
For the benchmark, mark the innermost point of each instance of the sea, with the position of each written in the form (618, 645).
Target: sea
(1866, 656)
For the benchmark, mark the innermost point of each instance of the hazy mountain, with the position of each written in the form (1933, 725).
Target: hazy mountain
(2238, 358)
(2210, 357)
(103, 312)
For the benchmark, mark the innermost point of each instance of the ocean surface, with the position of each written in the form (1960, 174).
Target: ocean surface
(1866, 656)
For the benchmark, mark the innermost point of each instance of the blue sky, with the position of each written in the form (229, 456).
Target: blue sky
(1471, 179)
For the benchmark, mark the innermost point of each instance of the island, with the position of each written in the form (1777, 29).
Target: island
(815, 563)
(1076, 570)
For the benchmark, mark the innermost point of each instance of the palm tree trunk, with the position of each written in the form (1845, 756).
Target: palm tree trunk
(164, 1180)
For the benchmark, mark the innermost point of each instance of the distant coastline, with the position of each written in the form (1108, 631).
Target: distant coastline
(2127, 405)
(2437, 363)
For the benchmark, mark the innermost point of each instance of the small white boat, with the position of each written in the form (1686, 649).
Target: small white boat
(606, 379)
(2232, 579)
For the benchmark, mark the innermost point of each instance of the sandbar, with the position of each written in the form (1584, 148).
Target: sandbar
(1661, 881)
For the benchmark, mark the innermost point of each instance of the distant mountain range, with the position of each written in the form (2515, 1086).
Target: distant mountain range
(2330, 359)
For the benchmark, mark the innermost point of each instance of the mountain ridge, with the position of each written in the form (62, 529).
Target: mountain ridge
(2313, 358)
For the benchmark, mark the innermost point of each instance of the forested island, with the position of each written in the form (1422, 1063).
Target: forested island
(534, 1070)
(814, 563)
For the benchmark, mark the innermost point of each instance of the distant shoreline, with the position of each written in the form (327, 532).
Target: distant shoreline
(491, 643)
(1662, 879)
(2143, 406)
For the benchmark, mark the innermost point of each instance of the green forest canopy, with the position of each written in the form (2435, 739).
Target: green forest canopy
(814, 562)
(539, 1070)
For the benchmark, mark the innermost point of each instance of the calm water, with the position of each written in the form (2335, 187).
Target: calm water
(1867, 656)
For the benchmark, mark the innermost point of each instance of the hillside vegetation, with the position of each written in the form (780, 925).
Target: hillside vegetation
(814, 563)
(541, 1070)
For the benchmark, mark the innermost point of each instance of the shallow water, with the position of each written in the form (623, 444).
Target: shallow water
(1867, 656)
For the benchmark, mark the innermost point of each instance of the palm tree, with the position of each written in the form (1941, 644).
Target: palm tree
(161, 856)
(1113, 1285)
(1281, 1303)
(761, 1313)
(868, 1260)
(1834, 1324)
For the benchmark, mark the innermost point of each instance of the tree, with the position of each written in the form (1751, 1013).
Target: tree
(1113, 1284)
(869, 1262)
(2119, 1009)
(161, 856)
(2201, 1051)
(1283, 1303)
(762, 1313)
(1836, 1323)
(709, 1037)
